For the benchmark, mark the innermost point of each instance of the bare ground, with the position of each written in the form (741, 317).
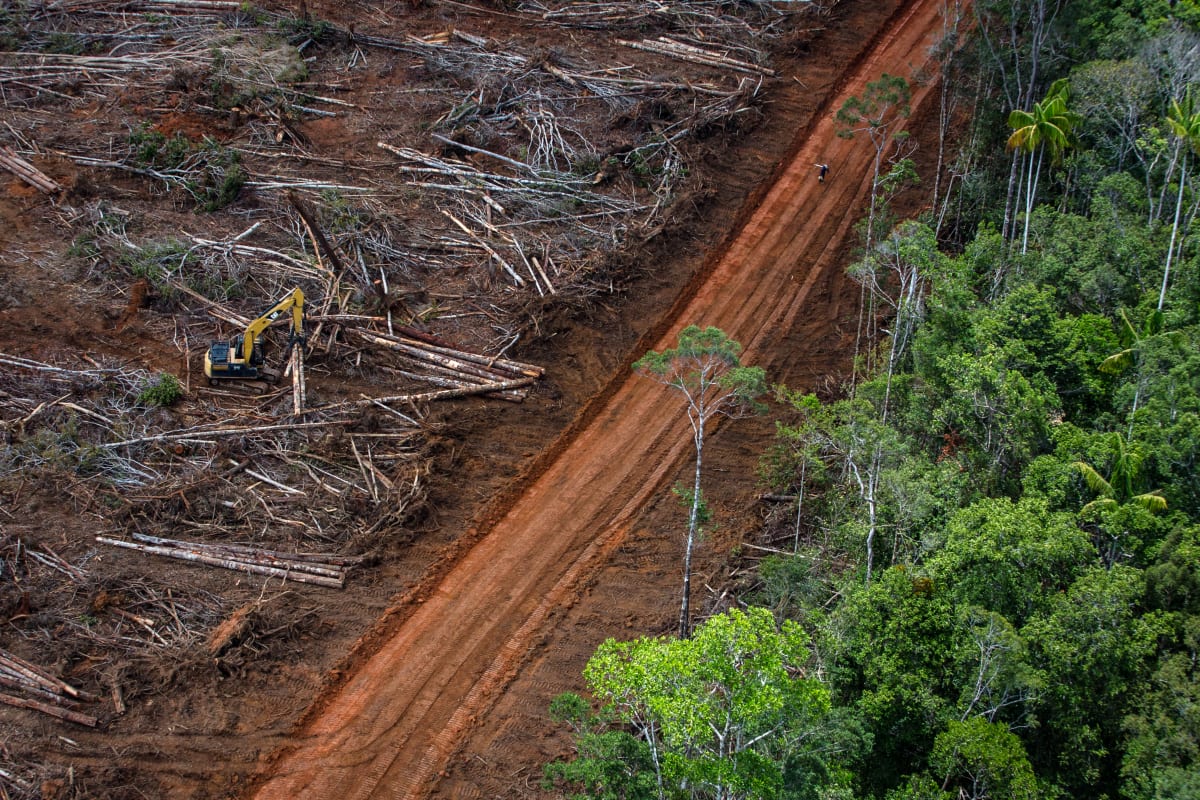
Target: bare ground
(547, 526)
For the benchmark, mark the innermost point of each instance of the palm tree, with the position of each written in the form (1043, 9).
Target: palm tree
(1047, 126)
(1184, 121)
(1117, 489)
(1130, 355)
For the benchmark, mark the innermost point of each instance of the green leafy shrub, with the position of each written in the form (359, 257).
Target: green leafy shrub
(152, 148)
(156, 261)
(163, 392)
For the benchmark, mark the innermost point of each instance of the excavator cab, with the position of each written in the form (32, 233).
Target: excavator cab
(242, 359)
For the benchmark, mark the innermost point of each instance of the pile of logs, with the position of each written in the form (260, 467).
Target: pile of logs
(27, 172)
(697, 55)
(42, 691)
(452, 368)
(319, 569)
(149, 6)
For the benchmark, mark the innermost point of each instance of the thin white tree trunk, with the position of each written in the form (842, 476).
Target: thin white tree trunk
(1162, 293)
(693, 524)
(1033, 179)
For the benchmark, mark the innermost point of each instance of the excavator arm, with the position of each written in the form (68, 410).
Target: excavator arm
(241, 358)
(254, 331)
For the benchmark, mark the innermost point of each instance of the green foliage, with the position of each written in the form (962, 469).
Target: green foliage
(13, 18)
(1125, 462)
(705, 366)
(1019, 463)
(212, 173)
(985, 760)
(719, 710)
(1050, 124)
(222, 180)
(298, 30)
(254, 69)
(1095, 649)
(340, 215)
(157, 261)
(706, 370)
(893, 654)
(1163, 753)
(163, 391)
(152, 148)
(65, 43)
(1010, 557)
(608, 764)
(1002, 415)
(882, 103)
(84, 246)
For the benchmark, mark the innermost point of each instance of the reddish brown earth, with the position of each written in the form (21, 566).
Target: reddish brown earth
(466, 665)
(552, 525)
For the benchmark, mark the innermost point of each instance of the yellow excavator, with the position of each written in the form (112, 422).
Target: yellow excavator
(242, 359)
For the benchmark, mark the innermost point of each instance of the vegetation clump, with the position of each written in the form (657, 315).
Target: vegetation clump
(163, 391)
(210, 172)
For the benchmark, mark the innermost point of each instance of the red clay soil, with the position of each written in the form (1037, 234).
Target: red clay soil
(444, 700)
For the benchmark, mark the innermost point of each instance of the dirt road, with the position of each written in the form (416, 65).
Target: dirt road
(391, 728)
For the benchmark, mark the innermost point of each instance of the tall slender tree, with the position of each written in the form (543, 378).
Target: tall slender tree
(704, 368)
(1047, 127)
(1184, 121)
(879, 113)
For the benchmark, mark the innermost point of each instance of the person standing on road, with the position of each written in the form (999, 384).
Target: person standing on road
(822, 169)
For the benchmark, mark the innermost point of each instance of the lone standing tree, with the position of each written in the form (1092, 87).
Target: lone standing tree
(705, 368)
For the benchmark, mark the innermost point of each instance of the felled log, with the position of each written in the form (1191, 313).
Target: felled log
(251, 555)
(436, 345)
(243, 549)
(9, 681)
(422, 353)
